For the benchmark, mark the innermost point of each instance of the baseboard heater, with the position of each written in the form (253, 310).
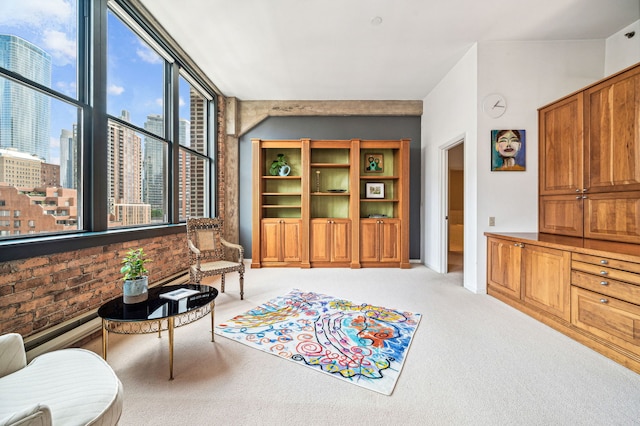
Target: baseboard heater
(69, 332)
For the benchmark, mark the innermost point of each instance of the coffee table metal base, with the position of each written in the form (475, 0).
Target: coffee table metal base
(152, 326)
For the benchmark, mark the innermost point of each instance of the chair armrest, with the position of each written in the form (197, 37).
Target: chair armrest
(193, 248)
(37, 415)
(234, 246)
(12, 354)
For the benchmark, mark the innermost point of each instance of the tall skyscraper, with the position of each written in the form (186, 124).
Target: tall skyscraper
(69, 158)
(197, 169)
(125, 164)
(155, 168)
(24, 113)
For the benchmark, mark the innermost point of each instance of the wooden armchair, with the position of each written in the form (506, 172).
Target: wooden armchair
(207, 249)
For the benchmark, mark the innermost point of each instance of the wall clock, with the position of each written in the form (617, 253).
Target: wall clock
(494, 105)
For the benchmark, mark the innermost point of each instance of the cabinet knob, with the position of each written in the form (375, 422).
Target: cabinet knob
(584, 197)
(604, 301)
(604, 261)
(577, 190)
(604, 273)
(604, 282)
(578, 197)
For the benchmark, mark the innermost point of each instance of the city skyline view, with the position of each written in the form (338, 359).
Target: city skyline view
(135, 71)
(42, 133)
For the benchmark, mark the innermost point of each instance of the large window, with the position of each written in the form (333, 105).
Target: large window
(120, 136)
(40, 141)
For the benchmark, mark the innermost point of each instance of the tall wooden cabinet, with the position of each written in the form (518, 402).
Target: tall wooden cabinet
(345, 203)
(590, 161)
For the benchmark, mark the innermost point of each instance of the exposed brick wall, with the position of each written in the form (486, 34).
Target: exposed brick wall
(40, 292)
(222, 138)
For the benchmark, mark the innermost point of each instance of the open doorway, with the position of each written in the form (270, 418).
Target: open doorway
(455, 208)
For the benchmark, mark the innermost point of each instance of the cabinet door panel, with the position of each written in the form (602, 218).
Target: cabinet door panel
(561, 146)
(546, 275)
(613, 216)
(369, 241)
(561, 214)
(389, 244)
(270, 241)
(291, 241)
(613, 134)
(503, 268)
(341, 240)
(319, 236)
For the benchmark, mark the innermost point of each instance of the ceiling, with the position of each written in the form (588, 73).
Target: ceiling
(364, 49)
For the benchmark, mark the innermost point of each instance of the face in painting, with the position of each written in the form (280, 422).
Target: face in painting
(508, 144)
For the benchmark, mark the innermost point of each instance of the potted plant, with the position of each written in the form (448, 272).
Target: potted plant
(279, 167)
(136, 281)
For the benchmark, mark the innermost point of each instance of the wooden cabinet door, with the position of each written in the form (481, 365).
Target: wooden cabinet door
(503, 266)
(340, 240)
(613, 216)
(612, 126)
(270, 240)
(320, 250)
(389, 230)
(369, 240)
(561, 146)
(561, 214)
(280, 240)
(291, 240)
(546, 278)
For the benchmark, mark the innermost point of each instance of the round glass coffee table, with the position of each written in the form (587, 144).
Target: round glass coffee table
(190, 302)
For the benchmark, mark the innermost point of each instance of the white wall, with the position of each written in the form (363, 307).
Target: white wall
(450, 114)
(622, 52)
(529, 75)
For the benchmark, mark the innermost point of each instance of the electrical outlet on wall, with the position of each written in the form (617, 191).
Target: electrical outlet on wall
(492, 221)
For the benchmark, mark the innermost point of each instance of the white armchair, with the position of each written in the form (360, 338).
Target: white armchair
(64, 387)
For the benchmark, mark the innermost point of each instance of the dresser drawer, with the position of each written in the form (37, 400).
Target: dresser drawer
(607, 262)
(608, 318)
(606, 272)
(605, 285)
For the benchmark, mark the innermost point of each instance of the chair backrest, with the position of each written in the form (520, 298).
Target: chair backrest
(205, 234)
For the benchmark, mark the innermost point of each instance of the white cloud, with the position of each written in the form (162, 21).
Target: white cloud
(148, 55)
(67, 87)
(115, 90)
(181, 102)
(37, 12)
(159, 102)
(62, 49)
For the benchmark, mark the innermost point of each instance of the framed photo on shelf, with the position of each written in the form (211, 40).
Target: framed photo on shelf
(374, 190)
(373, 163)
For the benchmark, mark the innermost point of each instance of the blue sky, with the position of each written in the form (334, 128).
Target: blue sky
(135, 71)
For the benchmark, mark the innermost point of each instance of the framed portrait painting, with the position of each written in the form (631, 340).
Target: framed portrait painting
(508, 150)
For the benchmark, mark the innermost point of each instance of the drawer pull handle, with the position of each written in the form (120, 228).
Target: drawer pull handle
(604, 282)
(604, 261)
(604, 273)
(604, 301)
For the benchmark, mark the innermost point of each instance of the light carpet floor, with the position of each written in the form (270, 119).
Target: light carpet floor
(473, 361)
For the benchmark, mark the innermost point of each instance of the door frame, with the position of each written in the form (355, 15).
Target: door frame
(444, 199)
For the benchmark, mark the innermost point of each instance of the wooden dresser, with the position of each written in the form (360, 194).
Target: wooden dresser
(587, 289)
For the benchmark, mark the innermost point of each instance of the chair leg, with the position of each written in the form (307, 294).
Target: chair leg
(241, 285)
(222, 284)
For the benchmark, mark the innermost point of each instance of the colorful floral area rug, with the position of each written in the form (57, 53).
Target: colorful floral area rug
(363, 344)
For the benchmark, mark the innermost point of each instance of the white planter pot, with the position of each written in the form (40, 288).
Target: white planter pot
(136, 291)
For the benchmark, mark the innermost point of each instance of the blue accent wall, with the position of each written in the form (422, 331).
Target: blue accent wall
(351, 127)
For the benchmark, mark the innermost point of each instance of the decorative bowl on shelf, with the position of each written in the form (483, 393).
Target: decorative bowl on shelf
(336, 190)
